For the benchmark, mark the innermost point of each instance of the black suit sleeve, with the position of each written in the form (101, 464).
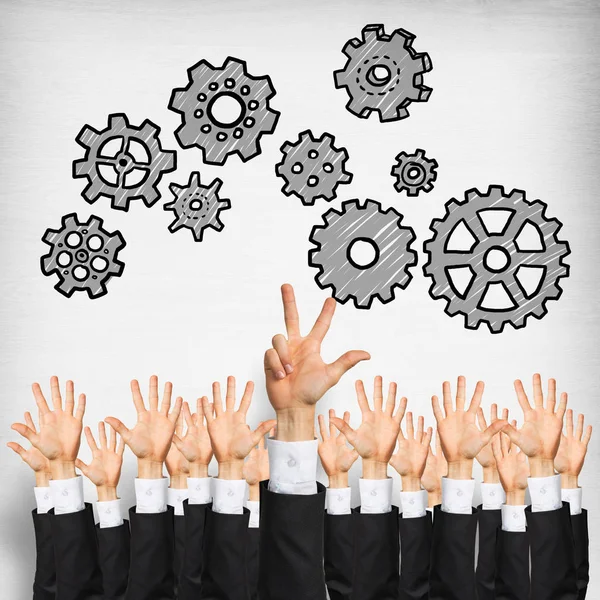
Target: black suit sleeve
(485, 574)
(339, 555)
(179, 548)
(151, 574)
(252, 561)
(191, 572)
(415, 551)
(113, 553)
(512, 565)
(44, 582)
(553, 574)
(291, 546)
(452, 571)
(582, 551)
(78, 575)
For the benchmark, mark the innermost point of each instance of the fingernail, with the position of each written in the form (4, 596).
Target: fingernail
(279, 375)
(288, 368)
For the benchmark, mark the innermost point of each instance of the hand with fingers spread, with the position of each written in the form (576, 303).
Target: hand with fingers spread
(486, 457)
(436, 467)
(104, 471)
(231, 438)
(59, 435)
(177, 464)
(256, 468)
(151, 437)
(459, 435)
(513, 468)
(411, 455)
(336, 456)
(571, 452)
(376, 437)
(539, 437)
(296, 375)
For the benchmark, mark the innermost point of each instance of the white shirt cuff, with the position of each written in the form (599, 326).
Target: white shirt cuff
(375, 495)
(513, 518)
(337, 501)
(199, 490)
(43, 499)
(151, 495)
(229, 496)
(67, 495)
(492, 496)
(572, 496)
(545, 493)
(414, 504)
(457, 495)
(254, 507)
(175, 499)
(109, 513)
(293, 467)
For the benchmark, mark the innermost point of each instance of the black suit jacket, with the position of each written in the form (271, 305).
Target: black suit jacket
(179, 549)
(113, 555)
(252, 561)
(512, 565)
(582, 550)
(485, 574)
(44, 582)
(339, 555)
(190, 582)
(415, 553)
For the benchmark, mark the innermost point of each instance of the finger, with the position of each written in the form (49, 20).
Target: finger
(119, 428)
(290, 311)
(18, 449)
(400, 410)
(283, 351)
(153, 393)
(112, 440)
(410, 430)
(438, 443)
(187, 415)
(69, 398)
(361, 396)
(167, 395)
(178, 442)
(437, 411)
(447, 397)
(217, 399)
(522, 396)
(121, 446)
(55, 393)
(426, 438)
(136, 394)
(322, 428)
(332, 428)
(344, 428)
(230, 394)
(505, 414)
(538, 394)
(497, 448)
(207, 409)
(80, 410)
(587, 436)
(512, 433)
(176, 410)
(477, 397)
(81, 466)
(390, 403)
(493, 412)
(562, 405)
(420, 427)
(505, 443)
(39, 399)
(551, 403)
(102, 436)
(345, 362)
(179, 424)
(246, 398)
(579, 430)
(273, 366)
(461, 392)
(321, 326)
(481, 419)
(492, 430)
(569, 423)
(90, 440)
(262, 430)
(378, 393)
(29, 422)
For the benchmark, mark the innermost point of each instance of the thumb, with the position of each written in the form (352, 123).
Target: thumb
(81, 466)
(492, 430)
(262, 430)
(17, 448)
(345, 362)
(512, 433)
(25, 431)
(177, 441)
(119, 428)
(344, 428)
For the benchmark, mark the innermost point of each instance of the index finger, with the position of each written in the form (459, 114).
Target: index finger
(40, 400)
(290, 310)
(321, 326)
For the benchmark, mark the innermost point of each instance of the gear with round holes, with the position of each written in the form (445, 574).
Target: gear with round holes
(83, 255)
(197, 206)
(206, 127)
(338, 240)
(414, 173)
(313, 167)
(513, 258)
(123, 162)
(383, 74)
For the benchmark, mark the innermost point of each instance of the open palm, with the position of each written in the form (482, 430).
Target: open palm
(195, 444)
(335, 454)
(104, 470)
(411, 454)
(436, 467)
(31, 457)
(573, 447)
(256, 467)
(512, 465)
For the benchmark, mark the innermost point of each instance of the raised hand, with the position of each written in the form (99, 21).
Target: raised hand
(150, 438)
(256, 468)
(436, 467)
(296, 375)
(539, 437)
(460, 438)
(376, 437)
(512, 468)
(486, 456)
(336, 456)
(231, 438)
(59, 435)
(177, 464)
(571, 451)
(36, 461)
(104, 471)
(411, 455)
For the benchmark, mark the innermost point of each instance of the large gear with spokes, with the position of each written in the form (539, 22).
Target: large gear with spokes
(123, 162)
(377, 276)
(383, 74)
(496, 258)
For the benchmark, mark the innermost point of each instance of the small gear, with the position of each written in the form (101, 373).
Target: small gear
(495, 258)
(218, 136)
(197, 206)
(414, 172)
(343, 233)
(123, 162)
(83, 255)
(313, 167)
(383, 73)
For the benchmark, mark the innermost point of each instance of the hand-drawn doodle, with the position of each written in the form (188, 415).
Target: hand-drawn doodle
(349, 232)
(83, 255)
(495, 258)
(123, 162)
(197, 206)
(313, 167)
(414, 173)
(383, 73)
(218, 132)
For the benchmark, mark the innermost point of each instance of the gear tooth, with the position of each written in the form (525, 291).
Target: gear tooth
(471, 195)
(148, 130)
(65, 288)
(403, 37)
(175, 189)
(177, 101)
(340, 79)
(87, 136)
(350, 47)
(80, 168)
(345, 177)
(194, 180)
(356, 108)
(373, 33)
(425, 60)
(118, 122)
(196, 71)
(232, 63)
(186, 137)
(287, 147)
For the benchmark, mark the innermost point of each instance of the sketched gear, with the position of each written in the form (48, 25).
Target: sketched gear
(83, 255)
(508, 261)
(383, 73)
(414, 173)
(123, 162)
(197, 206)
(202, 128)
(334, 256)
(313, 167)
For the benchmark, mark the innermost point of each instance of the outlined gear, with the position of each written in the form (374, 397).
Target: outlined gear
(216, 137)
(366, 280)
(508, 264)
(197, 206)
(313, 167)
(83, 255)
(383, 73)
(414, 173)
(123, 162)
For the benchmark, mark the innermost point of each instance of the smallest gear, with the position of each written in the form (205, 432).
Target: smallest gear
(414, 173)
(197, 206)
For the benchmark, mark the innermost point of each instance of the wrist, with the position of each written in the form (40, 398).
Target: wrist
(231, 469)
(42, 478)
(339, 480)
(515, 498)
(490, 475)
(541, 467)
(569, 482)
(460, 469)
(198, 470)
(62, 469)
(296, 424)
(254, 492)
(106, 493)
(411, 484)
(374, 469)
(434, 498)
(149, 469)
(178, 481)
